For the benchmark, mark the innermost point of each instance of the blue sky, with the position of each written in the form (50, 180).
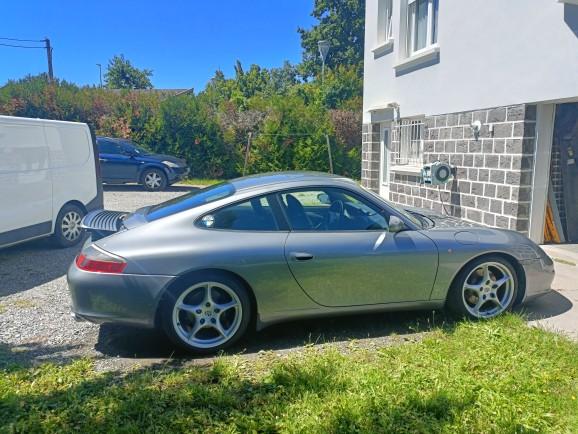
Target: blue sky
(183, 42)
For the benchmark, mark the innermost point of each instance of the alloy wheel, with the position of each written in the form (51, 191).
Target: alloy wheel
(70, 226)
(488, 290)
(153, 180)
(207, 314)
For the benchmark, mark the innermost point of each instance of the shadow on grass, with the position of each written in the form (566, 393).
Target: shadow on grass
(122, 341)
(73, 398)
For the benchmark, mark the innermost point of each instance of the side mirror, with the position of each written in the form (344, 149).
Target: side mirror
(396, 224)
(324, 198)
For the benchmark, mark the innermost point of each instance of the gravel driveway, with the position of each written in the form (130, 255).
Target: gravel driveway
(35, 321)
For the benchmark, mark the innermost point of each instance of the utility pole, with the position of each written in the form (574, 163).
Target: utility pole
(329, 153)
(247, 152)
(100, 73)
(49, 56)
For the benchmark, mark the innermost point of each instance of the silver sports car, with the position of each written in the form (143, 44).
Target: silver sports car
(206, 266)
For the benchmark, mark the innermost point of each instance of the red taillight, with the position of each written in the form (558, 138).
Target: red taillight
(100, 263)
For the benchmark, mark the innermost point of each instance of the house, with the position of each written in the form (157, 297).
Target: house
(489, 86)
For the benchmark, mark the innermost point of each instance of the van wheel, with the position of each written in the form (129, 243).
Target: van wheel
(154, 180)
(67, 230)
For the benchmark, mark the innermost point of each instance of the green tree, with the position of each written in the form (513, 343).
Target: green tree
(121, 74)
(341, 22)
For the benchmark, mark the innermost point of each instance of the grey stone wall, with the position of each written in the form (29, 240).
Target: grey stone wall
(370, 154)
(494, 171)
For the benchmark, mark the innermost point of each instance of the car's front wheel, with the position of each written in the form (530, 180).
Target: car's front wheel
(485, 288)
(154, 180)
(206, 314)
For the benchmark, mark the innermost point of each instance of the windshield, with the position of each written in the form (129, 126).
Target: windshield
(190, 200)
(138, 150)
(412, 218)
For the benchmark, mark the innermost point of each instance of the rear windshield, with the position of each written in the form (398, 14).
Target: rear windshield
(190, 200)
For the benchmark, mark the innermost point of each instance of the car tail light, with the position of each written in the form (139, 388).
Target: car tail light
(97, 260)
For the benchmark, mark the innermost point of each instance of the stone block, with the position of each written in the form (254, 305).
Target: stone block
(497, 115)
(468, 160)
(450, 146)
(505, 161)
(468, 200)
(524, 129)
(441, 121)
(490, 190)
(457, 133)
(487, 146)
(503, 130)
(475, 146)
(464, 187)
(462, 146)
(483, 175)
(483, 203)
(497, 176)
(496, 206)
(499, 146)
(516, 113)
(479, 160)
(503, 192)
(513, 178)
(473, 174)
(445, 133)
(474, 215)
(489, 219)
(502, 222)
(480, 115)
(491, 161)
(511, 208)
(514, 146)
(477, 188)
(453, 119)
(457, 159)
(466, 118)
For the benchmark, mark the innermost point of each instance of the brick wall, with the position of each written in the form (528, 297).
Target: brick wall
(494, 171)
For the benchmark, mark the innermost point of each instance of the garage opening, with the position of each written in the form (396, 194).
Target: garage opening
(561, 222)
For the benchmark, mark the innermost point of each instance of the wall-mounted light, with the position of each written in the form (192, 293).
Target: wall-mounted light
(476, 128)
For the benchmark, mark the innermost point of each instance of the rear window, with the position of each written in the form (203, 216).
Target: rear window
(190, 200)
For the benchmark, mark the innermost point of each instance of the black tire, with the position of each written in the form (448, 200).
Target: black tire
(154, 180)
(175, 322)
(67, 233)
(502, 299)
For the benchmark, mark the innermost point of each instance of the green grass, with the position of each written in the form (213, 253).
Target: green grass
(487, 377)
(200, 181)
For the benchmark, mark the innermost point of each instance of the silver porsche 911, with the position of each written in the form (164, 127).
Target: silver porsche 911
(275, 247)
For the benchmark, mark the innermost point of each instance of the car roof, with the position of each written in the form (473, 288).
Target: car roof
(292, 177)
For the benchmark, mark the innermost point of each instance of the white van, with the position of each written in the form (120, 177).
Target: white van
(49, 179)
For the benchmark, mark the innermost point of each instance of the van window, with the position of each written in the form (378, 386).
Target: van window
(22, 148)
(68, 145)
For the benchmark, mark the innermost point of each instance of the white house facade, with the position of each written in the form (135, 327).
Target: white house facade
(489, 86)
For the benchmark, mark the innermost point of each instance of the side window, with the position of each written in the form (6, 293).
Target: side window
(331, 209)
(252, 215)
(108, 147)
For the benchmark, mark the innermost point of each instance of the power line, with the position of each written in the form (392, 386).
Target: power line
(23, 40)
(18, 46)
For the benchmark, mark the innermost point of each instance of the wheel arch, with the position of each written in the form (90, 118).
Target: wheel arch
(191, 275)
(149, 166)
(520, 273)
(70, 202)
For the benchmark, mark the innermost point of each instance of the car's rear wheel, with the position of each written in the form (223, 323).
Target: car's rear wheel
(154, 180)
(206, 314)
(67, 230)
(485, 288)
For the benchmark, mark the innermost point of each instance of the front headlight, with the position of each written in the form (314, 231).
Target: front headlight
(170, 164)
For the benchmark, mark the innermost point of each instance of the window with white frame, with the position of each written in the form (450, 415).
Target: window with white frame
(410, 144)
(384, 21)
(421, 25)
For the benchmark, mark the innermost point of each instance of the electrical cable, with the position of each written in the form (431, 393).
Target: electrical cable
(19, 46)
(442, 201)
(24, 40)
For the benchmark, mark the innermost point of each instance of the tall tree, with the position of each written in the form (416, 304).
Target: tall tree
(121, 74)
(341, 22)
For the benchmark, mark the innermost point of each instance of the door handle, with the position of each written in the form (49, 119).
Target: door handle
(301, 256)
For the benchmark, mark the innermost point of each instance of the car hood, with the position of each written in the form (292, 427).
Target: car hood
(161, 157)
(440, 220)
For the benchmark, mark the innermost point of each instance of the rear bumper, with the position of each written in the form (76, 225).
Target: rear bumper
(120, 298)
(539, 276)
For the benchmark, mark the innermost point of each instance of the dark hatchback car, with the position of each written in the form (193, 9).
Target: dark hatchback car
(122, 162)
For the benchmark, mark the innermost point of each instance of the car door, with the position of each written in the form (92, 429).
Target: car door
(116, 164)
(348, 257)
